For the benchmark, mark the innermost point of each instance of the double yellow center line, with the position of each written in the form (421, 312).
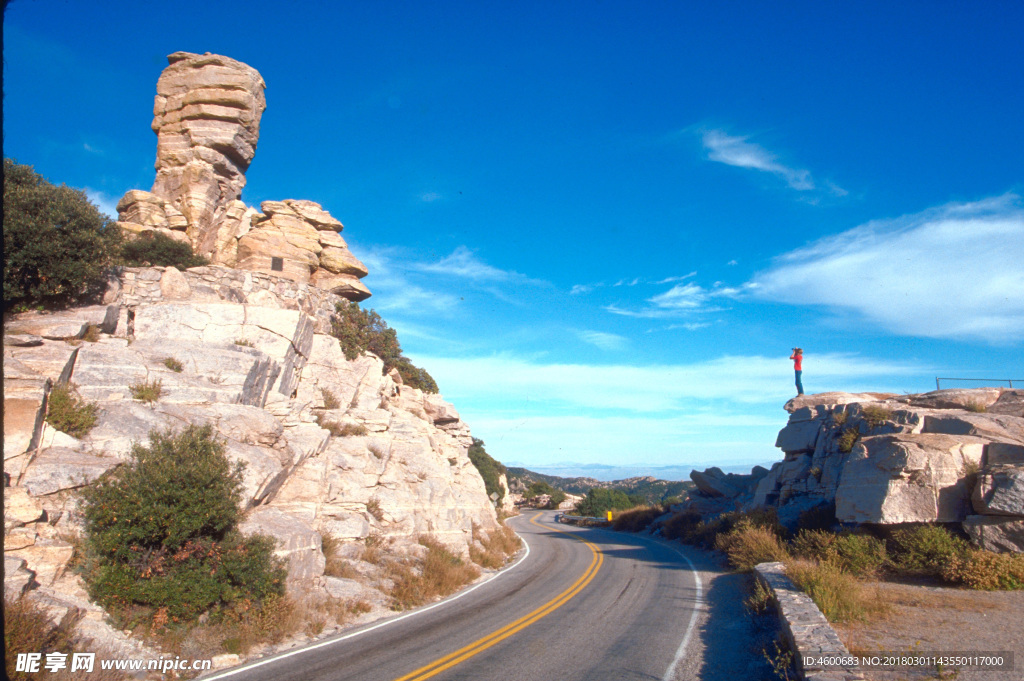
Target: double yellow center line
(477, 647)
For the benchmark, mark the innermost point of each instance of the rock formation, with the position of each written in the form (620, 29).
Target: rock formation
(207, 119)
(258, 364)
(949, 456)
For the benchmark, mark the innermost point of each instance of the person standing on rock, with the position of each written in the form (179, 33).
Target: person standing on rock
(798, 367)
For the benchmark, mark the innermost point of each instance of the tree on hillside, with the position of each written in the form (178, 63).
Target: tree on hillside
(599, 501)
(57, 245)
(490, 469)
(359, 330)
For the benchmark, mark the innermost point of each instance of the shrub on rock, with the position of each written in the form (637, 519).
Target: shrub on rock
(359, 330)
(154, 248)
(161, 531)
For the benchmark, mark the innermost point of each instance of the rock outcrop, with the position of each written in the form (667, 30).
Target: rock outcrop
(948, 456)
(207, 119)
(260, 367)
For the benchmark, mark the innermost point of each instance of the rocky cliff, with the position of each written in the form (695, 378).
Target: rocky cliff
(266, 376)
(949, 456)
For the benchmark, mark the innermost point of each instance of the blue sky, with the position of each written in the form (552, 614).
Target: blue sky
(601, 226)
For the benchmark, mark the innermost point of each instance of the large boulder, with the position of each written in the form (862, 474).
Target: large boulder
(903, 478)
(1000, 491)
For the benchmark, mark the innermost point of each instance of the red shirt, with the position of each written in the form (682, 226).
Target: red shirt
(797, 361)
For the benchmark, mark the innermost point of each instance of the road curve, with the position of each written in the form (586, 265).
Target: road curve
(584, 604)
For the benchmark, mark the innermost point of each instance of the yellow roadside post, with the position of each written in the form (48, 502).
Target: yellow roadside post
(609, 516)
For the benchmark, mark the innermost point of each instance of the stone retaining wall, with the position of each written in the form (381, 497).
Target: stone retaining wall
(214, 283)
(808, 632)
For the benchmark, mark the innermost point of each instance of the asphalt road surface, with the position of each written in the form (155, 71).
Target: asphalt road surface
(583, 604)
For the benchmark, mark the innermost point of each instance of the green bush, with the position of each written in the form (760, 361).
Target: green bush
(861, 554)
(926, 549)
(489, 468)
(359, 330)
(68, 413)
(599, 501)
(161, 531)
(160, 250)
(57, 245)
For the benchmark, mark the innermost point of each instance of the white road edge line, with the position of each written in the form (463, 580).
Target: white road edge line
(681, 650)
(280, 656)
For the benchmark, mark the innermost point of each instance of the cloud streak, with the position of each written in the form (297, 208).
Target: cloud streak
(956, 271)
(738, 152)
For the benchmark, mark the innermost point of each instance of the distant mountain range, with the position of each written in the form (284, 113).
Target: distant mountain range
(609, 473)
(649, 487)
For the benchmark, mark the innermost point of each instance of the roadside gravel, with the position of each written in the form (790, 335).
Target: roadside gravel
(938, 619)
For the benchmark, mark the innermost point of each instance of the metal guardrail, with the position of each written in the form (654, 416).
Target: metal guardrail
(581, 520)
(938, 385)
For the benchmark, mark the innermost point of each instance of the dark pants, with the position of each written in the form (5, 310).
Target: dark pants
(799, 385)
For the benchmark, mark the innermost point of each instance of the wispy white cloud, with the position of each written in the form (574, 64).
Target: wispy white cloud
(106, 203)
(956, 271)
(635, 281)
(465, 264)
(430, 197)
(680, 301)
(739, 152)
(393, 291)
(603, 340)
(690, 326)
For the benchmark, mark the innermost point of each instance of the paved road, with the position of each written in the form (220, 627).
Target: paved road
(584, 604)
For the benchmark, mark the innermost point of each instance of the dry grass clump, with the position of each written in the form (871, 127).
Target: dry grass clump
(876, 415)
(636, 519)
(336, 565)
(330, 399)
(498, 546)
(247, 624)
(373, 549)
(976, 406)
(68, 413)
(439, 573)
(29, 629)
(373, 507)
(848, 439)
(92, 334)
(748, 544)
(839, 595)
(173, 364)
(147, 391)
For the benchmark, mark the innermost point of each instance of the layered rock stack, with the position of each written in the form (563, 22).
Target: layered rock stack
(949, 456)
(207, 119)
